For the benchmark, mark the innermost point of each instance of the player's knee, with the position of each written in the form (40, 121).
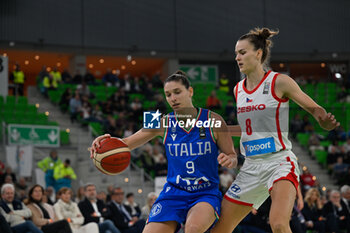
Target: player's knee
(193, 228)
(279, 226)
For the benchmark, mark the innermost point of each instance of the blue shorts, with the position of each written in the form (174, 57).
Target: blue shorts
(173, 203)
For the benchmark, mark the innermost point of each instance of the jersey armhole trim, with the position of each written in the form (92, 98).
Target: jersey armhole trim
(210, 128)
(236, 92)
(166, 130)
(273, 90)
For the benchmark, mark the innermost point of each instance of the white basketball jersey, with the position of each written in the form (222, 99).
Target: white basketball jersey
(263, 118)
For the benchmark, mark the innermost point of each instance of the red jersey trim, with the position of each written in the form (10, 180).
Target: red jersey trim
(236, 92)
(261, 81)
(278, 126)
(291, 176)
(273, 90)
(237, 202)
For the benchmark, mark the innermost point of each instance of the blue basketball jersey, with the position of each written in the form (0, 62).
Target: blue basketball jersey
(192, 153)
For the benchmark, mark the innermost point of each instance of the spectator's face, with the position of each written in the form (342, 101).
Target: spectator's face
(118, 195)
(37, 194)
(152, 200)
(66, 196)
(8, 179)
(346, 195)
(8, 195)
(90, 192)
(54, 154)
(335, 198)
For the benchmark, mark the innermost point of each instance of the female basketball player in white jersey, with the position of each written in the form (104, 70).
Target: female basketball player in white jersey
(191, 193)
(270, 167)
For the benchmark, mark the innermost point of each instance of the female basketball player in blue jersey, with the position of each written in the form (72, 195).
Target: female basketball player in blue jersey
(270, 167)
(192, 138)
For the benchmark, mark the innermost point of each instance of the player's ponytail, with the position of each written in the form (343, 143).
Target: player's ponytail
(261, 39)
(179, 76)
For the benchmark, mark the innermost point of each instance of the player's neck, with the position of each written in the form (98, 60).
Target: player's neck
(190, 112)
(254, 78)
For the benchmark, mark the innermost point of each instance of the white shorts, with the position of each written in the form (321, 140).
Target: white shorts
(258, 174)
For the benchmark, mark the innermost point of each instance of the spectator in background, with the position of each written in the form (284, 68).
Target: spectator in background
(296, 125)
(66, 77)
(148, 92)
(230, 109)
(345, 194)
(101, 195)
(334, 151)
(146, 158)
(213, 103)
(121, 217)
(42, 74)
(131, 206)
(336, 214)
(43, 214)
(95, 210)
(47, 165)
(156, 81)
(65, 99)
(2, 168)
(342, 95)
(160, 163)
(136, 109)
(78, 78)
(50, 195)
(75, 105)
(65, 208)
(83, 89)
(110, 189)
(110, 79)
(312, 211)
(136, 85)
(146, 209)
(56, 76)
(224, 83)
(160, 103)
(307, 180)
(21, 188)
(18, 79)
(80, 194)
(89, 78)
(347, 151)
(64, 174)
(8, 172)
(48, 84)
(340, 171)
(307, 126)
(15, 212)
(314, 143)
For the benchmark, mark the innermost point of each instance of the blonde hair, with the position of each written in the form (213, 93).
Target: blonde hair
(309, 194)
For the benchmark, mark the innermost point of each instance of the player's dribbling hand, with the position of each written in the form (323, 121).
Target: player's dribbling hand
(96, 144)
(227, 160)
(328, 122)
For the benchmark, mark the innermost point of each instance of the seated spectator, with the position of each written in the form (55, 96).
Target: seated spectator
(161, 166)
(2, 168)
(121, 217)
(136, 85)
(101, 195)
(83, 89)
(66, 77)
(80, 194)
(136, 108)
(96, 211)
(4, 226)
(110, 189)
(131, 206)
(110, 79)
(156, 81)
(307, 180)
(78, 78)
(307, 126)
(89, 78)
(314, 143)
(334, 151)
(340, 171)
(148, 92)
(15, 212)
(64, 174)
(312, 211)
(342, 95)
(336, 214)
(160, 104)
(146, 209)
(108, 107)
(146, 158)
(56, 76)
(296, 125)
(229, 109)
(43, 214)
(50, 195)
(75, 106)
(8, 172)
(21, 188)
(213, 103)
(126, 83)
(65, 99)
(65, 208)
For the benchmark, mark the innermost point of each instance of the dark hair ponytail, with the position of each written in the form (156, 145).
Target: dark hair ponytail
(179, 76)
(261, 39)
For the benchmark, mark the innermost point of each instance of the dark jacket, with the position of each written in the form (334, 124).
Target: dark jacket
(87, 210)
(117, 217)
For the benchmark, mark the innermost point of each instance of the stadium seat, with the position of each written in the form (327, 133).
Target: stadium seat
(303, 138)
(321, 156)
(64, 137)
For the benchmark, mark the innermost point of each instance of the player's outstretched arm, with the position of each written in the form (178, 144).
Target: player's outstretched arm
(227, 157)
(287, 87)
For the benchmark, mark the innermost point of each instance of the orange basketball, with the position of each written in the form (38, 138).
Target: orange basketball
(113, 157)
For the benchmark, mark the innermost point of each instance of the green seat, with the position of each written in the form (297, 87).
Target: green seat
(10, 99)
(1, 100)
(64, 137)
(321, 156)
(325, 143)
(54, 96)
(303, 138)
(22, 100)
(96, 128)
(32, 109)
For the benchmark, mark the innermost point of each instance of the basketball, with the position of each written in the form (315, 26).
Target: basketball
(113, 157)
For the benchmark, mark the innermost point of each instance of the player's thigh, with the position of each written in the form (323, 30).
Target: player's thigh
(231, 215)
(160, 227)
(283, 195)
(200, 217)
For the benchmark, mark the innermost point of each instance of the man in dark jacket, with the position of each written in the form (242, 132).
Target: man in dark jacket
(95, 210)
(121, 217)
